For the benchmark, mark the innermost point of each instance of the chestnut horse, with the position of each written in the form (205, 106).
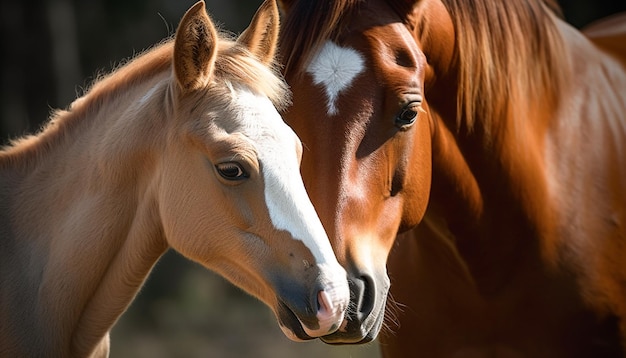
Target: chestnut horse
(501, 131)
(183, 147)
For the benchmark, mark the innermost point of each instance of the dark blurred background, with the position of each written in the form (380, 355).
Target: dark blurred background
(51, 50)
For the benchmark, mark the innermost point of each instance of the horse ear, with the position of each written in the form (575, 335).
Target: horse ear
(195, 48)
(261, 36)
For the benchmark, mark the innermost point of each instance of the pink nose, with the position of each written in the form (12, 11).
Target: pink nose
(330, 313)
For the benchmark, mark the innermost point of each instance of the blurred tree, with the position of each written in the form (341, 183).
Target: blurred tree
(25, 67)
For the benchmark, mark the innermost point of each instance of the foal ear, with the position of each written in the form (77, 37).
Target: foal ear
(261, 36)
(195, 48)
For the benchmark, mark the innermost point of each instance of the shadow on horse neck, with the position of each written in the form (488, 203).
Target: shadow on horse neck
(182, 147)
(493, 131)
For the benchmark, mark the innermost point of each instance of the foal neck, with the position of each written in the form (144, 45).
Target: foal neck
(83, 192)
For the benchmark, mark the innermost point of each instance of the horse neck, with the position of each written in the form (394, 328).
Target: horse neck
(499, 188)
(491, 200)
(489, 184)
(85, 199)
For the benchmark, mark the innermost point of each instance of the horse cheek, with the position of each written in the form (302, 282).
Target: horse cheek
(417, 188)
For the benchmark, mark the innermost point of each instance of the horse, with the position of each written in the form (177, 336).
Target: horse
(182, 147)
(468, 162)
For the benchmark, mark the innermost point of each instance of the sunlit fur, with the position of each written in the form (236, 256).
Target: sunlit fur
(130, 169)
(234, 65)
(519, 252)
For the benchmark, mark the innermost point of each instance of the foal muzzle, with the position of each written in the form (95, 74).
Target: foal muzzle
(320, 313)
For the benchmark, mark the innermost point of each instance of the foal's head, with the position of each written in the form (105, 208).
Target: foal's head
(231, 196)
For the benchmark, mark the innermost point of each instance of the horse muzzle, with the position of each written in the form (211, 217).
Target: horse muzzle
(366, 313)
(312, 316)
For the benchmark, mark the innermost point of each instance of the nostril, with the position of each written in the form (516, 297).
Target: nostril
(324, 305)
(326, 319)
(367, 303)
(363, 293)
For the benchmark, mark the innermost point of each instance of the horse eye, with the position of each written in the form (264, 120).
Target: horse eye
(407, 116)
(232, 171)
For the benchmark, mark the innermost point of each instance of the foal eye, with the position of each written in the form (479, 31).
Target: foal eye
(407, 115)
(232, 171)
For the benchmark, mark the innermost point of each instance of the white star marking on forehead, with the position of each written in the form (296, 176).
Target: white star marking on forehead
(335, 68)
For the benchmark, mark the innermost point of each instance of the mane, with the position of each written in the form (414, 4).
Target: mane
(507, 52)
(505, 49)
(234, 66)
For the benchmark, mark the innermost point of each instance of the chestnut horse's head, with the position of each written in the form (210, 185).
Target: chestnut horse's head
(358, 75)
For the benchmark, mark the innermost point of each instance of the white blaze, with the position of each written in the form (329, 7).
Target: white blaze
(288, 203)
(335, 68)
